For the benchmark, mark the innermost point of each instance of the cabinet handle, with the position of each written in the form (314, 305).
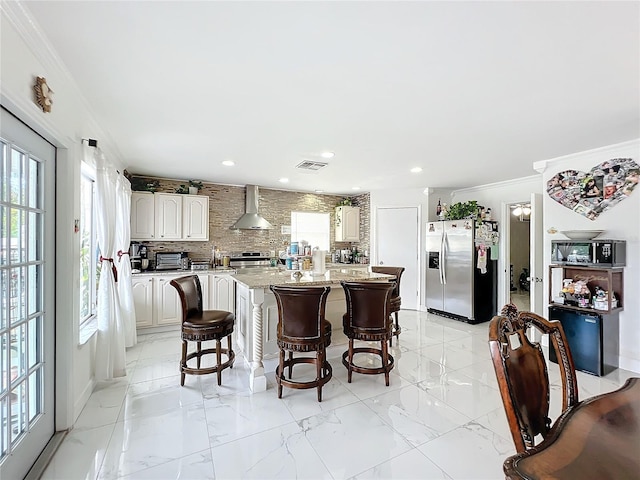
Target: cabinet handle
(161, 236)
(188, 236)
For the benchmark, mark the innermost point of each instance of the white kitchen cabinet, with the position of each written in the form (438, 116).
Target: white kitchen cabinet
(142, 287)
(142, 216)
(223, 292)
(157, 304)
(347, 223)
(204, 286)
(195, 217)
(168, 216)
(166, 303)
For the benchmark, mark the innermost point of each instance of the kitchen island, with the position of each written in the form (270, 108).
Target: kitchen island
(257, 311)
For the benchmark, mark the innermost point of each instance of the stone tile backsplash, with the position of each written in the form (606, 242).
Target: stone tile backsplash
(227, 204)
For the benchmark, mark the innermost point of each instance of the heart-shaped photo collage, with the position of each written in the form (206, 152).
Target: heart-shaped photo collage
(591, 193)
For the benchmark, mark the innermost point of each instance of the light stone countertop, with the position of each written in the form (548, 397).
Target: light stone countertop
(333, 276)
(219, 270)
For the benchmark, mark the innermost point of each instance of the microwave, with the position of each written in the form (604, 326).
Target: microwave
(172, 261)
(598, 253)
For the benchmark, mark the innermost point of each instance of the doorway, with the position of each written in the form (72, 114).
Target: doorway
(519, 254)
(27, 320)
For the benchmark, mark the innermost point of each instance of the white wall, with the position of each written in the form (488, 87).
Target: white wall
(25, 55)
(622, 222)
(496, 196)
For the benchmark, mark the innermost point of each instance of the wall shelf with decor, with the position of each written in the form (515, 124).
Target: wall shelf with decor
(610, 280)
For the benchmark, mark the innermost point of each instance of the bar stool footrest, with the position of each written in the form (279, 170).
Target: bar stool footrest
(368, 370)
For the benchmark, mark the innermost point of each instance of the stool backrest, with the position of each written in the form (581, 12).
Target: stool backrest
(367, 305)
(301, 311)
(190, 293)
(397, 271)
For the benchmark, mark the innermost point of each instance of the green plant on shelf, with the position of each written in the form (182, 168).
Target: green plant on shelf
(460, 210)
(184, 189)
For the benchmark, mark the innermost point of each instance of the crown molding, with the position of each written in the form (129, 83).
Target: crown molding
(18, 15)
(608, 149)
(504, 183)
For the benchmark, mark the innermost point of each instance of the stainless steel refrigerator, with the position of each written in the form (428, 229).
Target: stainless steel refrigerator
(456, 287)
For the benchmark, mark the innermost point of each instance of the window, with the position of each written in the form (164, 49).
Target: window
(312, 228)
(88, 246)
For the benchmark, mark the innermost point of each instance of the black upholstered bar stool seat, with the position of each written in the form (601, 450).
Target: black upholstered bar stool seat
(199, 326)
(368, 319)
(302, 328)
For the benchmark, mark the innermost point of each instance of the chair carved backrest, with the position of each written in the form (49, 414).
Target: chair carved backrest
(397, 271)
(522, 373)
(368, 305)
(300, 312)
(190, 293)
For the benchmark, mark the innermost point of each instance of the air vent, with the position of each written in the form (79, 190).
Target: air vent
(311, 165)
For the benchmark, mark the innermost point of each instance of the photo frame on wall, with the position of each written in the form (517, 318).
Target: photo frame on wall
(591, 193)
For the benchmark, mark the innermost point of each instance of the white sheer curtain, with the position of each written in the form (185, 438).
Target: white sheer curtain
(110, 345)
(123, 237)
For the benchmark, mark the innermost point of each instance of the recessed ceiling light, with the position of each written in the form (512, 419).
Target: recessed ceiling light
(283, 180)
(355, 188)
(416, 169)
(228, 163)
(327, 154)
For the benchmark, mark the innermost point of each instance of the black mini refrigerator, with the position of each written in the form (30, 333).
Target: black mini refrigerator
(592, 337)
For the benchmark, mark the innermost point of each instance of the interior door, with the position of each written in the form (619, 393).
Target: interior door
(27, 319)
(536, 260)
(397, 231)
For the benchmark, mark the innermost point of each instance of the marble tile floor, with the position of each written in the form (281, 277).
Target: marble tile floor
(440, 418)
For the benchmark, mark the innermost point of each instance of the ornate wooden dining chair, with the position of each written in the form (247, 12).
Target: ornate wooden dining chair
(396, 300)
(368, 318)
(199, 326)
(522, 373)
(302, 327)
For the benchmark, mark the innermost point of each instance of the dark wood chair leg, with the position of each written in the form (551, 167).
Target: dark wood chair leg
(319, 368)
(385, 361)
(280, 373)
(350, 367)
(290, 364)
(218, 360)
(199, 350)
(230, 350)
(183, 362)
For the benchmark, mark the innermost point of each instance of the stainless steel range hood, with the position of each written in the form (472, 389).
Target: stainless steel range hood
(251, 220)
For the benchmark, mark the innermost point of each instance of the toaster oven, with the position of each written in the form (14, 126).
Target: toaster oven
(172, 261)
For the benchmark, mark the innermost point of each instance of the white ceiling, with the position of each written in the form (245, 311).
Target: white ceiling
(473, 92)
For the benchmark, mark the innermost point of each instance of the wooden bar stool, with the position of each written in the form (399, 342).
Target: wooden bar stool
(302, 327)
(396, 300)
(200, 326)
(368, 318)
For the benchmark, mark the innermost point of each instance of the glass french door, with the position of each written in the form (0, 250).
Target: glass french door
(26, 289)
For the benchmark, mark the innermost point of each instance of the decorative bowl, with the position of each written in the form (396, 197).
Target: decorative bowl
(581, 234)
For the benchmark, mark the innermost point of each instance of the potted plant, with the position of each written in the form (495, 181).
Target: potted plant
(461, 210)
(194, 187)
(191, 189)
